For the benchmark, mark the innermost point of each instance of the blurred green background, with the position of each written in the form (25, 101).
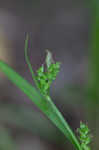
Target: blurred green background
(70, 30)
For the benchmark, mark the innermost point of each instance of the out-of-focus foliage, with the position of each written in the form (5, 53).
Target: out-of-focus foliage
(6, 141)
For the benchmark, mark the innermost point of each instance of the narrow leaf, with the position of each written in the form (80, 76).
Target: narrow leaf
(44, 103)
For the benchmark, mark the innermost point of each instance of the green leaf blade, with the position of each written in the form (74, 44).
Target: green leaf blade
(43, 103)
(21, 83)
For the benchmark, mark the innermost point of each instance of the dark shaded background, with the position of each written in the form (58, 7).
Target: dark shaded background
(64, 27)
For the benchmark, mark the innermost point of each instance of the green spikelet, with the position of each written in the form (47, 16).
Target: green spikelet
(45, 76)
(84, 136)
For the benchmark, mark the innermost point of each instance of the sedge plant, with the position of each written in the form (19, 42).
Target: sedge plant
(40, 96)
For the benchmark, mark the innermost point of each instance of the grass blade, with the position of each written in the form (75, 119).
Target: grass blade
(44, 103)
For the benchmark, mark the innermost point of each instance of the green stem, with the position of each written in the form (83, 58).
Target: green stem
(28, 62)
(59, 121)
